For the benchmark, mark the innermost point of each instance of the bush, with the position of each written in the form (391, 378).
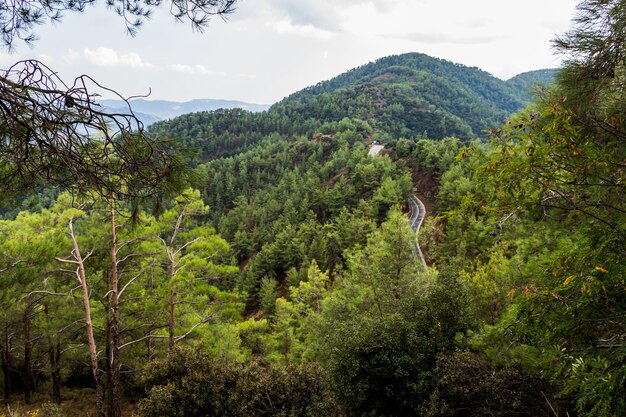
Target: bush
(190, 383)
(470, 386)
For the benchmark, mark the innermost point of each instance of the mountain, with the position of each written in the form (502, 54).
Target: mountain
(151, 111)
(404, 96)
(526, 82)
(413, 95)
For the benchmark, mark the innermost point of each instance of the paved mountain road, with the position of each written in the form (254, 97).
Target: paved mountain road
(418, 212)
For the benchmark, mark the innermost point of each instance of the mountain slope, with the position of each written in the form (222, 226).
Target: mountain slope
(525, 82)
(412, 95)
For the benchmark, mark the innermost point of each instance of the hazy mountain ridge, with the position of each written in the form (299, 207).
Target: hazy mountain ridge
(526, 82)
(151, 111)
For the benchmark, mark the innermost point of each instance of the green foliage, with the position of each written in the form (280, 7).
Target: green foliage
(308, 295)
(412, 95)
(380, 330)
(436, 157)
(191, 383)
(530, 84)
(527, 248)
(267, 295)
(297, 202)
(406, 96)
(468, 385)
(536, 223)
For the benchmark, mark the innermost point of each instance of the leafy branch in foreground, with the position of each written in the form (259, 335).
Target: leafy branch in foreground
(52, 132)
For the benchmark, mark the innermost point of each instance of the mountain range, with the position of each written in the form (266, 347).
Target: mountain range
(403, 96)
(151, 111)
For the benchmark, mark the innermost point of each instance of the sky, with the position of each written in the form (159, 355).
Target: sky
(269, 49)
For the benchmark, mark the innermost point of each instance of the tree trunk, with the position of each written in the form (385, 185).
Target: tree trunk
(171, 254)
(6, 365)
(115, 410)
(149, 345)
(54, 354)
(108, 343)
(171, 320)
(93, 352)
(28, 370)
(149, 341)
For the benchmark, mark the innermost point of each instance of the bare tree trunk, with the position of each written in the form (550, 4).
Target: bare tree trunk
(108, 348)
(93, 352)
(116, 410)
(171, 254)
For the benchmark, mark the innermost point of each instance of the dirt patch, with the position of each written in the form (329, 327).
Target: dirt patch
(427, 187)
(342, 173)
(383, 76)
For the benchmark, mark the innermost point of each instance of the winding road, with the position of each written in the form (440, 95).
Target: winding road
(418, 212)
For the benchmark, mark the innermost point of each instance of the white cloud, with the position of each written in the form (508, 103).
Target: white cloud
(107, 57)
(194, 70)
(71, 56)
(287, 27)
(185, 69)
(436, 38)
(327, 14)
(284, 43)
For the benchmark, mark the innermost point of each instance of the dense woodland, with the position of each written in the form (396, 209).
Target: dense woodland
(276, 275)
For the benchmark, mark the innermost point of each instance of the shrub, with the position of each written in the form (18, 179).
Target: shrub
(191, 383)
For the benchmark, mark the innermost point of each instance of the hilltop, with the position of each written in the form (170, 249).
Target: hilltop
(405, 96)
(414, 95)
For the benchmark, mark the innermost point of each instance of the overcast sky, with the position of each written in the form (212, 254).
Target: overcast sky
(271, 48)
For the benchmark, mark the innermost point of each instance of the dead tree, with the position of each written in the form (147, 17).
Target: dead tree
(79, 261)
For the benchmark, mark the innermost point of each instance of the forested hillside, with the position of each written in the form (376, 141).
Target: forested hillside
(414, 95)
(242, 264)
(405, 96)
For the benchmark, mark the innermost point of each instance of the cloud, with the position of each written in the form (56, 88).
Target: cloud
(71, 56)
(326, 14)
(107, 57)
(287, 27)
(194, 70)
(319, 14)
(438, 38)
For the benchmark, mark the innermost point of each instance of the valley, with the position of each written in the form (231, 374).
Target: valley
(412, 237)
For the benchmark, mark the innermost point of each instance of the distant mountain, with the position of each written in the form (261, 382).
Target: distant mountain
(414, 94)
(404, 96)
(151, 111)
(526, 82)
